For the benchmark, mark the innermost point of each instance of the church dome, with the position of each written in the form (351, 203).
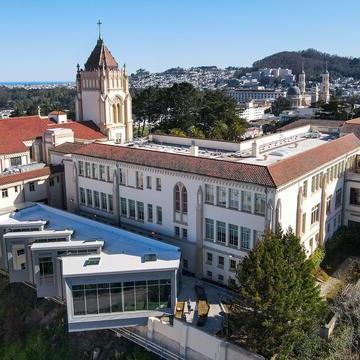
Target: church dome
(293, 90)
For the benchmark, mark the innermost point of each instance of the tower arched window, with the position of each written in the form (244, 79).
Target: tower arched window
(115, 114)
(119, 113)
(180, 203)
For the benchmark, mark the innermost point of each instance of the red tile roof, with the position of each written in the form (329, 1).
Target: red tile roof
(13, 131)
(228, 170)
(29, 175)
(295, 166)
(273, 175)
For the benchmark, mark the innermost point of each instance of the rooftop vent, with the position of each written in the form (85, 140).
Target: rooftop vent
(92, 261)
(149, 257)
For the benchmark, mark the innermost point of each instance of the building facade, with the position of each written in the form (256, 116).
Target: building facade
(215, 209)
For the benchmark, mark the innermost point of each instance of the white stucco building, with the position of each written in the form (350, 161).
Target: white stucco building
(214, 204)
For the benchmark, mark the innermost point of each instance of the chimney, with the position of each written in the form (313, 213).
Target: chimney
(194, 149)
(254, 149)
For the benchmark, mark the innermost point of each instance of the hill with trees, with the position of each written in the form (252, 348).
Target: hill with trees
(314, 63)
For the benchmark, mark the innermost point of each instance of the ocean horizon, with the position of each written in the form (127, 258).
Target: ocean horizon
(34, 82)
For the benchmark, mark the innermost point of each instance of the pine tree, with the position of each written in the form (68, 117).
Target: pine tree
(278, 301)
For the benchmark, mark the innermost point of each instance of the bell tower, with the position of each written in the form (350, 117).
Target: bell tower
(102, 94)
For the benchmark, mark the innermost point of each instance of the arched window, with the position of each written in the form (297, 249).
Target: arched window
(120, 120)
(177, 199)
(115, 113)
(184, 200)
(180, 203)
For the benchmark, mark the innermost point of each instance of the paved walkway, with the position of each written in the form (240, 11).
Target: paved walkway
(214, 322)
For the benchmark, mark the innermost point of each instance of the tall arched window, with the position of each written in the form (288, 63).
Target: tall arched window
(115, 114)
(119, 113)
(177, 199)
(180, 203)
(184, 200)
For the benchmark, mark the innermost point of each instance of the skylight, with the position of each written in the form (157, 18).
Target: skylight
(92, 261)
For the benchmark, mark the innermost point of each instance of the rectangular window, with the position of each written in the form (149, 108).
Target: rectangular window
(32, 186)
(15, 161)
(129, 296)
(95, 171)
(122, 176)
(177, 231)
(221, 196)
(51, 182)
(103, 201)
(158, 184)
(315, 212)
(46, 270)
(209, 274)
(123, 207)
(305, 188)
(81, 168)
(303, 225)
(148, 182)
(258, 235)
(141, 295)
(139, 180)
(328, 204)
(87, 169)
(102, 172)
(245, 238)
(220, 277)
(108, 174)
(259, 204)
(220, 232)
(96, 200)
(5, 193)
(82, 196)
(221, 262)
(140, 211)
(159, 215)
(16, 189)
(338, 198)
(132, 212)
(150, 213)
(89, 197)
(246, 201)
(184, 234)
(209, 258)
(232, 265)
(209, 229)
(234, 198)
(313, 185)
(209, 194)
(110, 202)
(233, 235)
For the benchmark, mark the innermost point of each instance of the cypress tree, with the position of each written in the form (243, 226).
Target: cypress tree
(278, 302)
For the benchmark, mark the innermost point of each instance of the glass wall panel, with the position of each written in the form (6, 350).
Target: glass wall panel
(165, 292)
(116, 297)
(129, 296)
(91, 299)
(153, 294)
(104, 298)
(78, 299)
(141, 295)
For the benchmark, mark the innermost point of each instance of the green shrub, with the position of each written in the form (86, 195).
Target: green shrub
(317, 257)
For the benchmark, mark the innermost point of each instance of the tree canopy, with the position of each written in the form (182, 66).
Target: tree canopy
(278, 303)
(182, 109)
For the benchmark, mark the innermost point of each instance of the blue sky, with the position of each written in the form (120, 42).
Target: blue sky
(44, 40)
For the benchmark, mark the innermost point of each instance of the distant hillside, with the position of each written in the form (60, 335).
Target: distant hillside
(314, 63)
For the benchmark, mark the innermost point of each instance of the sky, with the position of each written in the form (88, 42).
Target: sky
(44, 40)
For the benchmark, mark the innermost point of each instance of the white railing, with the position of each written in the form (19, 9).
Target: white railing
(147, 344)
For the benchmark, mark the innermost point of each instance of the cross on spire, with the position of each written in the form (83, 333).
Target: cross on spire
(99, 23)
